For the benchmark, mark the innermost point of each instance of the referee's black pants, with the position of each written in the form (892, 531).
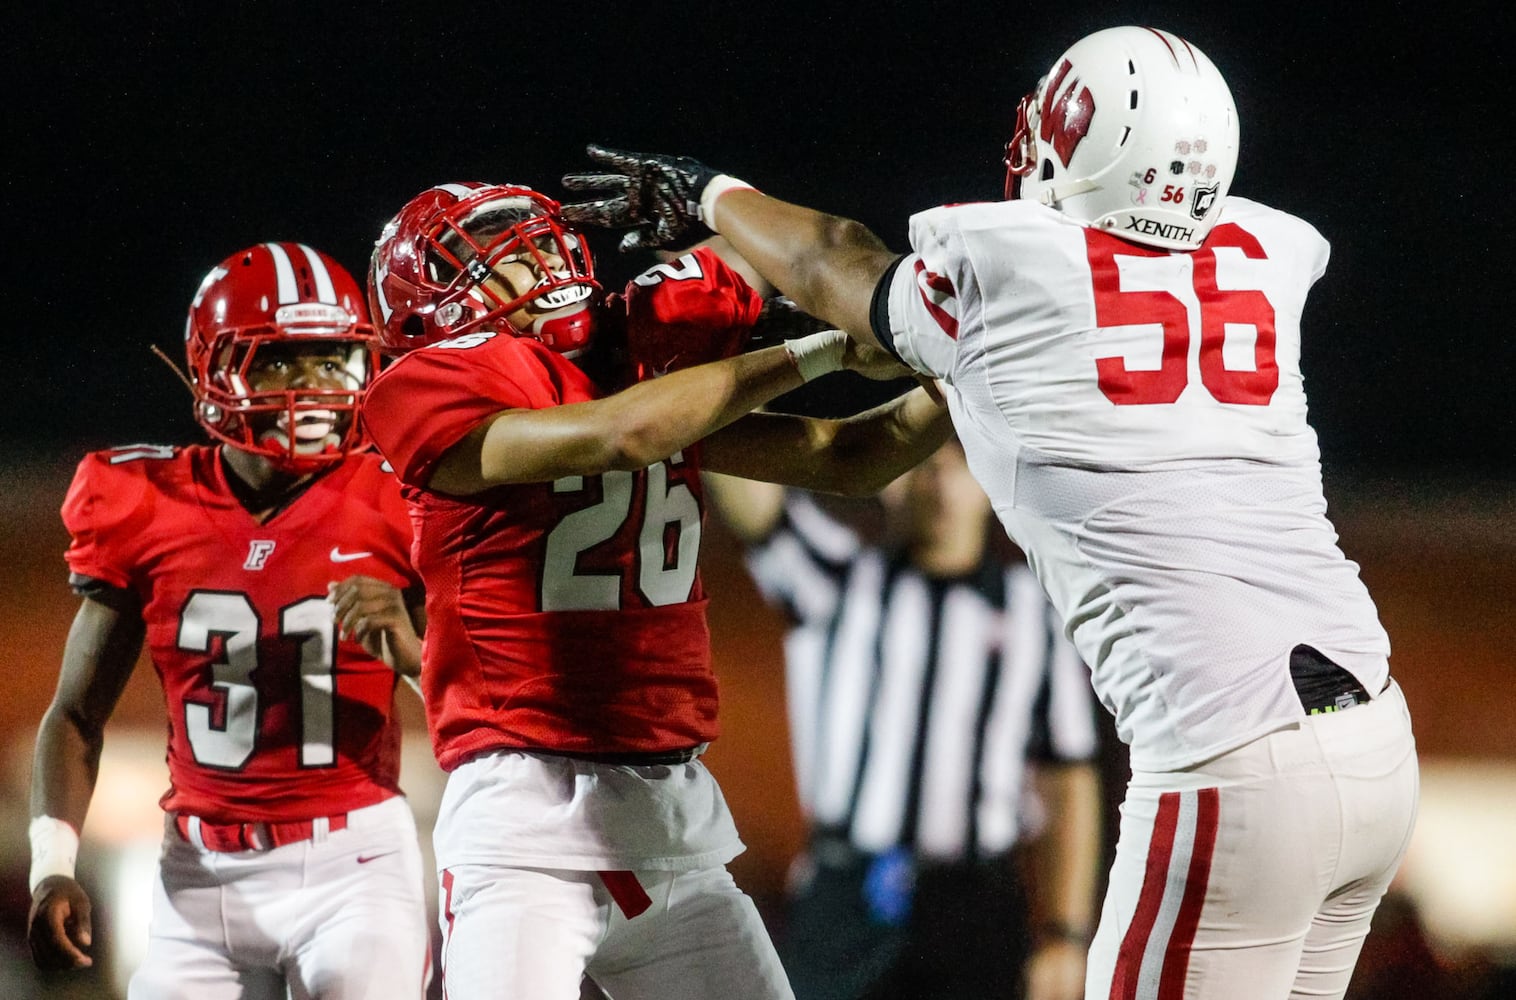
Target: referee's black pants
(965, 935)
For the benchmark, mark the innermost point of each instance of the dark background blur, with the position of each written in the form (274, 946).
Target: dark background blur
(145, 142)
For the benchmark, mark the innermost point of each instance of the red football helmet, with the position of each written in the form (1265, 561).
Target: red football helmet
(271, 297)
(436, 269)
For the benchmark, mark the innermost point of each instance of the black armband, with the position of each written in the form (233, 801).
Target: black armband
(879, 310)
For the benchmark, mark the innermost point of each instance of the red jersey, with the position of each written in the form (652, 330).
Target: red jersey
(564, 615)
(270, 718)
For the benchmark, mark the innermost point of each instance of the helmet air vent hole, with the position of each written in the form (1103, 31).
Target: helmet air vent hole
(1125, 133)
(1131, 68)
(1047, 170)
(1134, 100)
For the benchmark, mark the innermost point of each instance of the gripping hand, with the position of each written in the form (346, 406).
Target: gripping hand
(656, 196)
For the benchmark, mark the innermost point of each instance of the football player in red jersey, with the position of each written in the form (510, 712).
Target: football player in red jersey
(1120, 342)
(555, 490)
(268, 576)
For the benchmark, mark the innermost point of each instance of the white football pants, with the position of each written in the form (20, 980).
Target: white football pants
(341, 916)
(1253, 876)
(530, 934)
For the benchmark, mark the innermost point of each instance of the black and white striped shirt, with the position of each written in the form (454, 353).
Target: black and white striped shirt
(916, 703)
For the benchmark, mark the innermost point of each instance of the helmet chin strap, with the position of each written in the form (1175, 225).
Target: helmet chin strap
(1055, 193)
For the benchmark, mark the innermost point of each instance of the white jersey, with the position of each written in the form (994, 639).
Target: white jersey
(1139, 420)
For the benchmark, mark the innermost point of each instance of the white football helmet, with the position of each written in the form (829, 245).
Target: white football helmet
(1133, 131)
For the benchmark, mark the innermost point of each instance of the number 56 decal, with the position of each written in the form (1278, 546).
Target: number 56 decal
(1218, 307)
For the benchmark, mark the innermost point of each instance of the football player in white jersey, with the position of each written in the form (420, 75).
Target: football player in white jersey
(1119, 341)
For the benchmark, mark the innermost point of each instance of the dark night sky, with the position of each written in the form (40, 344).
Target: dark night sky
(144, 148)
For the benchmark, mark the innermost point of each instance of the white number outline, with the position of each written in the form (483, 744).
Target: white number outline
(137, 452)
(231, 615)
(564, 588)
(686, 268)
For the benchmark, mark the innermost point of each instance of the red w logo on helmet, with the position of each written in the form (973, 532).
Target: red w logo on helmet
(1066, 117)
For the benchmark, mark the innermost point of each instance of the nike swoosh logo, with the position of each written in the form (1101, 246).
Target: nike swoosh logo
(339, 556)
(364, 859)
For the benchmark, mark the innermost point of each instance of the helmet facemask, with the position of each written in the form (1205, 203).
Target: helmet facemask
(298, 427)
(1021, 151)
(505, 263)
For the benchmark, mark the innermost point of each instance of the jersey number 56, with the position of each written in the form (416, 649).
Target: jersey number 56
(1218, 308)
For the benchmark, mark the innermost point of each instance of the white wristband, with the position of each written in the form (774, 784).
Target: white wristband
(719, 185)
(817, 353)
(55, 849)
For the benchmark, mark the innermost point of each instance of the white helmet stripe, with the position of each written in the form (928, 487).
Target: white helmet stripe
(458, 190)
(325, 291)
(385, 309)
(284, 273)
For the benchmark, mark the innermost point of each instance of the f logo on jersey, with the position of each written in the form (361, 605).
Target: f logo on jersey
(1065, 118)
(257, 554)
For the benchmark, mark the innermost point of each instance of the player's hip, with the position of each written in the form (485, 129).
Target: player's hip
(198, 852)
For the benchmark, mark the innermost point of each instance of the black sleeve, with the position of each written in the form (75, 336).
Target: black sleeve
(879, 310)
(120, 599)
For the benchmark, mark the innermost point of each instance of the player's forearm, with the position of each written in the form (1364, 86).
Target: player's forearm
(860, 455)
(827, 264)
(102, 648)
(65, 766)
(878, 445)
(636, 427)
(654, 419)
(402, 651)
(857, 456)
(1068, 853)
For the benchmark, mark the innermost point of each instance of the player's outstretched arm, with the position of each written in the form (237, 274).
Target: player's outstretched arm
(856, 456)
(640, 425)
(829, 265)
(101, 650)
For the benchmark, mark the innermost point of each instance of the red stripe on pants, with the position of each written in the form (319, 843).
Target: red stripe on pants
(1176, 959)
(627, 892)
(1160, 851)
(447, 913)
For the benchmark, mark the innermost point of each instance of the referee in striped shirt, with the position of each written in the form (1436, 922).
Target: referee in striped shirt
(943, 734)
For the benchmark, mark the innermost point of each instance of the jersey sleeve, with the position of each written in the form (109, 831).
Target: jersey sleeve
(427, 401)
(927, 293)
(1319, 251)
(105, 505)
(688, 311)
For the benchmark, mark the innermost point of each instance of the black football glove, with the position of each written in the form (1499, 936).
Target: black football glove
(657, 196)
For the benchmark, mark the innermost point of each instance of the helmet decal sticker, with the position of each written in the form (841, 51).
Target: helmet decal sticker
(1066, 118)
(1204, 198)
